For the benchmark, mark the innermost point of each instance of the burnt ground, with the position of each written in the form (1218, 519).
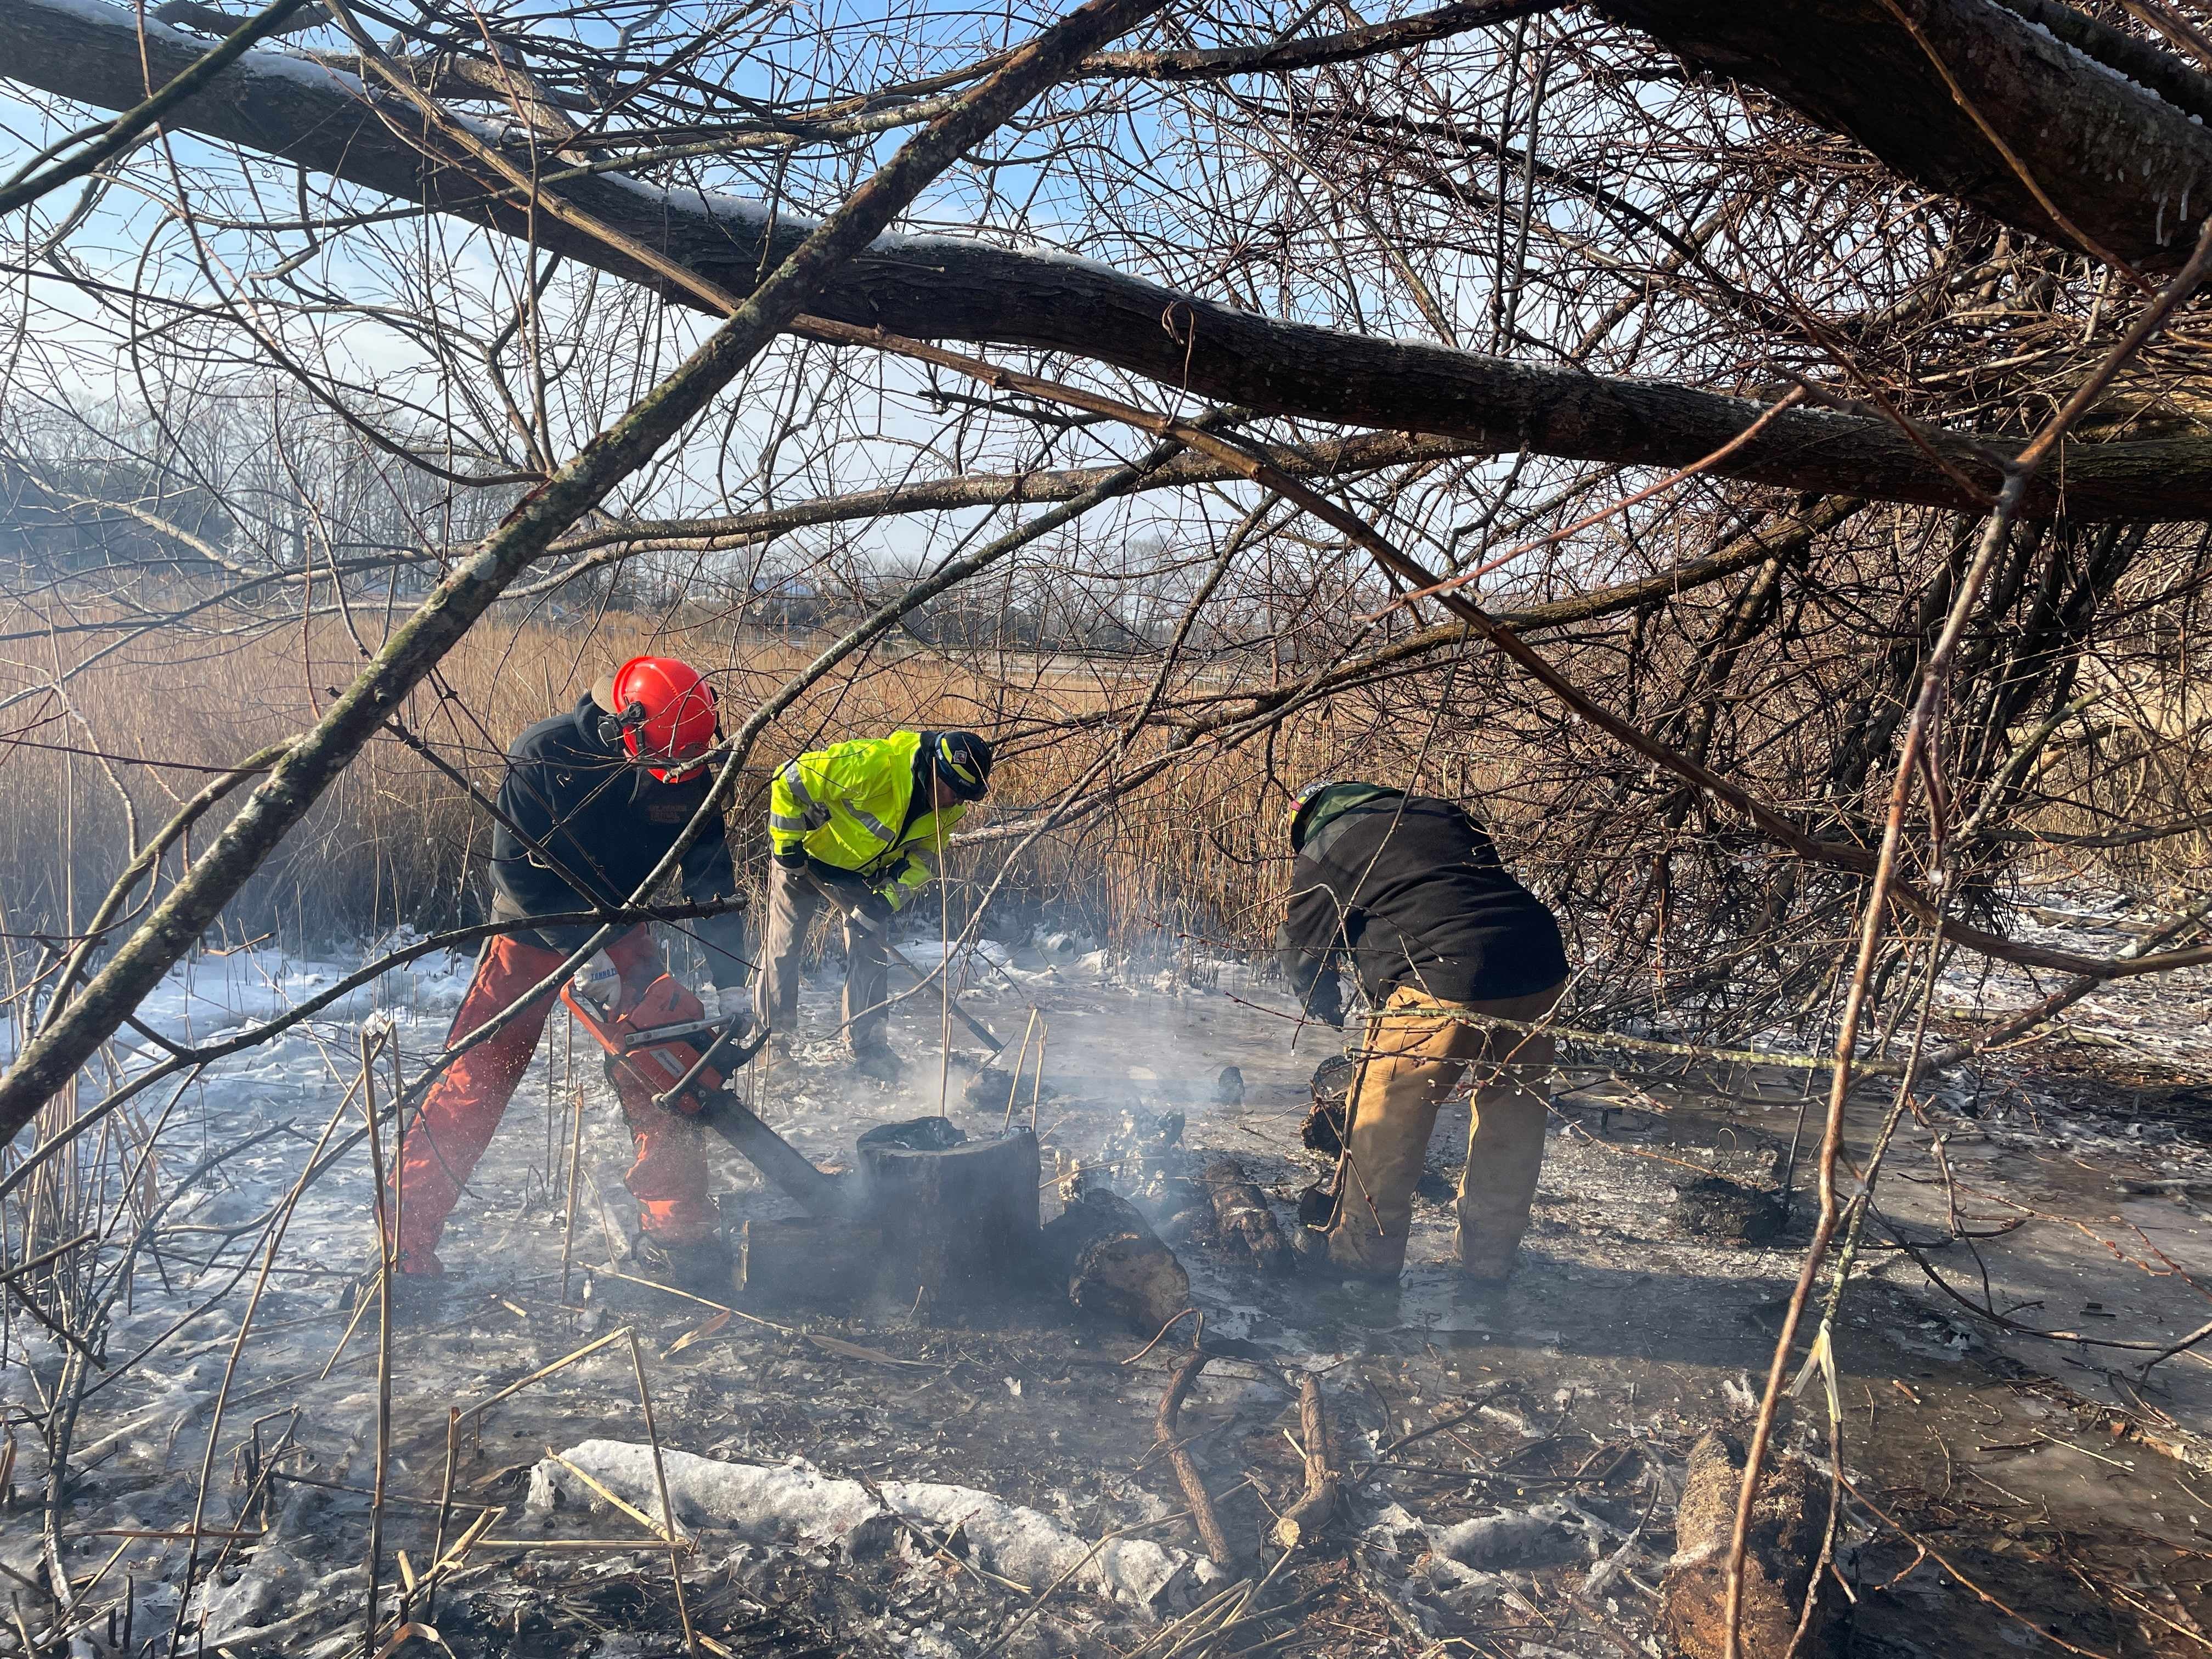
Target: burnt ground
(2016, 1492)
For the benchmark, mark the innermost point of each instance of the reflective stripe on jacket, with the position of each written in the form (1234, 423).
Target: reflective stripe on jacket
(847, 806)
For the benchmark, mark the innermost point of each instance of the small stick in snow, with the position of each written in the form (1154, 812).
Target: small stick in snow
(1317, 1506)
(345, 1337)
(667, 1511)
(445, 1503)
(1014, 1087)
(386, 1232)
(1186, 1470)
(477, 1412)
(575, 1158)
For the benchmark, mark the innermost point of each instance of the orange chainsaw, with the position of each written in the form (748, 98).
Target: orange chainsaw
(665, 1043)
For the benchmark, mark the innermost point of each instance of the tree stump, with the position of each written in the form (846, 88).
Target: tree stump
(959, 1217)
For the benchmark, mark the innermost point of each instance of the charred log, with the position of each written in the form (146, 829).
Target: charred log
(1113, 1264)
(1243, 1218)
(1779, 1566)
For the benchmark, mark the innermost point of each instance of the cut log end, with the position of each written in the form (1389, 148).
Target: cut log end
(1114, 1266)
(1783, 1554)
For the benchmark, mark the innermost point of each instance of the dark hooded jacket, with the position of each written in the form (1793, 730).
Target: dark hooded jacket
(1409, 890)
(592, 827)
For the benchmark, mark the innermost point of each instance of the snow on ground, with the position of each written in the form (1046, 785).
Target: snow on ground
(1622, 1336)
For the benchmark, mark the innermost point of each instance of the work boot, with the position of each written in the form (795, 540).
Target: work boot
(701, 1266)
(419, 1286)
(1488, 1261)
(879, 1062)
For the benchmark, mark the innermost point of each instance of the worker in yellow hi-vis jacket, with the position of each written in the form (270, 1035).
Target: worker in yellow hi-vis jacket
(855, 825)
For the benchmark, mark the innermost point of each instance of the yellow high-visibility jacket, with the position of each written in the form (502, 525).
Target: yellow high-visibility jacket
(846, 807)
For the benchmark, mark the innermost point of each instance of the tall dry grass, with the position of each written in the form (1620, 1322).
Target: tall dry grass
(395, 841)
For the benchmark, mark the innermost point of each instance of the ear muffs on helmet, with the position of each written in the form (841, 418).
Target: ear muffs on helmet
(665, 710)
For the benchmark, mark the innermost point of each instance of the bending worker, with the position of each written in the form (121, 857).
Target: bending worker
(593, 800)
(1409, 892)
(855, 825)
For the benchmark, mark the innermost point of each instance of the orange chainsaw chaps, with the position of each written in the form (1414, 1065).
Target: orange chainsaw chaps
(659, 1066)
(668, 1179)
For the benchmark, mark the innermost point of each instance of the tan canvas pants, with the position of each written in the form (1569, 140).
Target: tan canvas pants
(1417, 1054)
(793, 902)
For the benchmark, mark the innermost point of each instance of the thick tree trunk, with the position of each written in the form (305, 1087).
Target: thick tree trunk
(944, 288)
(2128, 170)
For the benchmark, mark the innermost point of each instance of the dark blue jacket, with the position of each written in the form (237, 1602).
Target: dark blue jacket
(593, 825)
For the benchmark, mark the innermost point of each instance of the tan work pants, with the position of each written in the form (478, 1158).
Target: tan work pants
(1417, 1054)
(793, 902)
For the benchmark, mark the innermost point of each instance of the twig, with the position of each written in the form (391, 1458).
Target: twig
(386, 1244)
(1014, 1084)
(1186, 1471)
(575, 1161)
(660, 1480)
(444, 1502)
(477, 1412)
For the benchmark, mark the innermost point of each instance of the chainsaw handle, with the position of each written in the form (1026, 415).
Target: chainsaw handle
(667, 1102)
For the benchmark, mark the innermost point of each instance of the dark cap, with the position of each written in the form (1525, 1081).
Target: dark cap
(962, 759)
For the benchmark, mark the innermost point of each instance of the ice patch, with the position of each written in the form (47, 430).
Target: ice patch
(925, 954)
(797, 1504)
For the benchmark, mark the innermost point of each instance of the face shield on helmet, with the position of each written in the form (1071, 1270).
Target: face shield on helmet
(668, 715)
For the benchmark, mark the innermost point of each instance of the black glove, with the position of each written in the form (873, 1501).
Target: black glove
(1325, 1002)
(845, 888)
(795, 860)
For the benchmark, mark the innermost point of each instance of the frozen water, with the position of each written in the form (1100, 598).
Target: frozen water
(797, 1502)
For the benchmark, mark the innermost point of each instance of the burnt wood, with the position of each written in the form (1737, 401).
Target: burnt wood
(1114, 1266)
(959, 1217)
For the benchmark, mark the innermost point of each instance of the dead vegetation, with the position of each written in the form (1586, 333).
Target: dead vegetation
(1661, 422)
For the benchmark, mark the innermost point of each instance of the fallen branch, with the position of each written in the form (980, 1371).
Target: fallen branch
(1179, 1458)
(1303, 1520)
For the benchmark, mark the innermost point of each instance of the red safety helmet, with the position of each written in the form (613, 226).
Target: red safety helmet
(667, 714)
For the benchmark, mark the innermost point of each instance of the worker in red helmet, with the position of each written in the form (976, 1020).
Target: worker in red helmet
(592, 800)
